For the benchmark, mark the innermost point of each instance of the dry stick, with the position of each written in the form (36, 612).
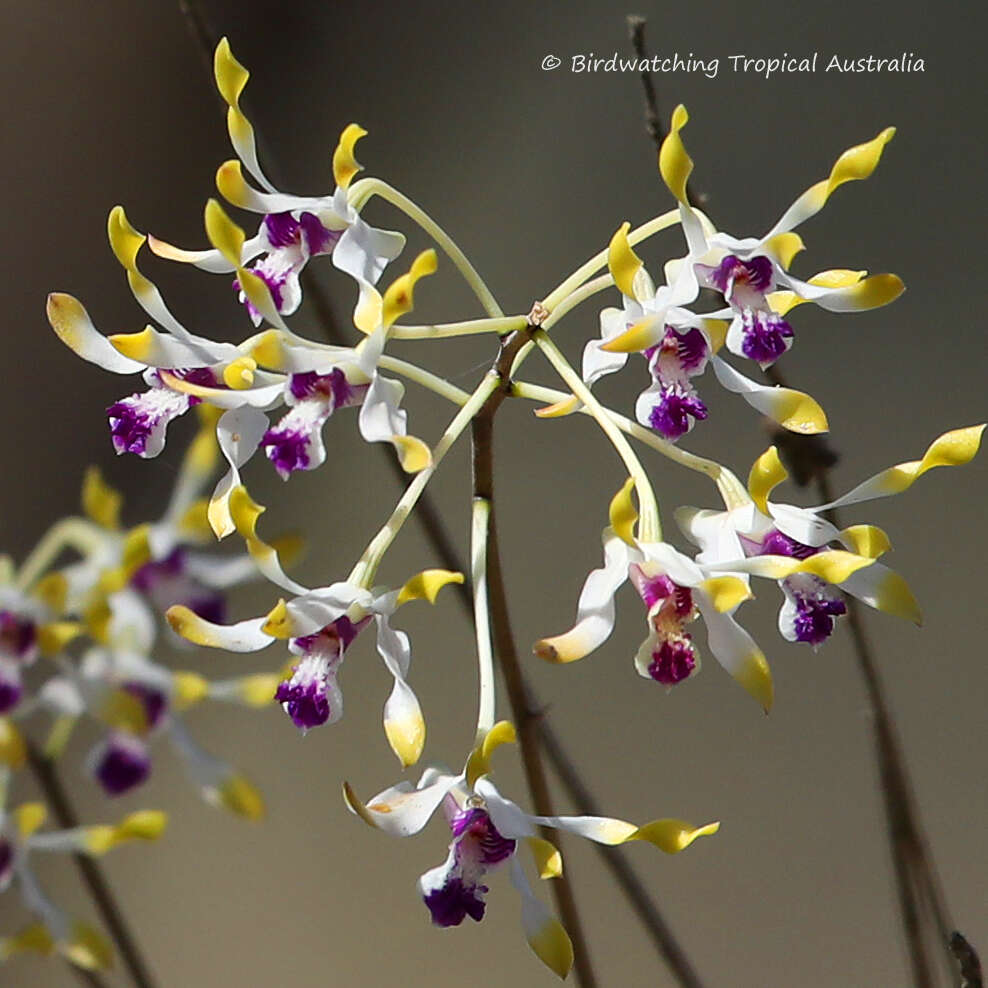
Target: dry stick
(91, 873)
(435, 530)
(524, 712)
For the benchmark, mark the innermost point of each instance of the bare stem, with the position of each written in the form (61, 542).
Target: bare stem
(92, 875)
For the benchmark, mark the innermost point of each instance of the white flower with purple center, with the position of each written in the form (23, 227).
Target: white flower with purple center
(294, 228)
(678, 346)
(674, 590)
(748, 271)
(768, 533)
(487, 831)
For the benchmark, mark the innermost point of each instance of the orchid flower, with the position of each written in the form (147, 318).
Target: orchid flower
(294, 228)
(763, 530)
(20, 837)
(319, 625)
(183, 370)
(487, 831)
(678, 345)
(747, 271)
(675, 590)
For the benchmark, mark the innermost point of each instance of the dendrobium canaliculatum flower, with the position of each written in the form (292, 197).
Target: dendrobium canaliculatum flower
(675, 590)
(678, 345)
(20, 836)
(294, 228)
(748, 271)
(319, 625)
(764, 531)
(487, 831)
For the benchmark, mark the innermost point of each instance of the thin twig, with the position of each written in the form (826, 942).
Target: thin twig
(968, 960)
(524, 714)
(92, 875)
(86, 976)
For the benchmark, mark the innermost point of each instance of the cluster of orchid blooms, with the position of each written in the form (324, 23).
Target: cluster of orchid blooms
(95, 621)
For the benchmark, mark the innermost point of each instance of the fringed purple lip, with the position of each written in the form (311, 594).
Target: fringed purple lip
(451, 903)
(815, 614)
(776, 543)
(305, 702)
(765, 336)
(674, 414)
(733, 273)
(673, 661)
(671, 405)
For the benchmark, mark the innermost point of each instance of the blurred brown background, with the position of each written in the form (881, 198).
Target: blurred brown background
(531, 171)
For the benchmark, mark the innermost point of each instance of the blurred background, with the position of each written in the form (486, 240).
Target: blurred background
(531, 171)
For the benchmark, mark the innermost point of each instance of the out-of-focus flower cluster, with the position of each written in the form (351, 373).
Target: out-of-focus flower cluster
(79, 640)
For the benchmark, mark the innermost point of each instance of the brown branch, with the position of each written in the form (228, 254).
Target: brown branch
(92, 875)
(968, 960)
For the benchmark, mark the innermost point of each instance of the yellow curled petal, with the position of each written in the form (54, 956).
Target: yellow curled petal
(52, 590)
(427, 584)
(672, 836)
(100, 502)
(142, 825)
(784, 247)
(717, 333)
(188, 689)
(548, 860)
(874, 292)
(88, 948)
(767, 472)
(479, 762)
(866, 540)
(13, 750)
(399, 297)
(413, 454)
(675, 164)
(860, 161)
(125, 241)
(241, 797)
(239, 373)
(28, 817)
(893, 596)
(259, 690)
(553, 947)
(54, 636)
(136, 346)
(224, 234)
(834, 565)
(231, 76)
(623, 514)
(565, 407)
(345, 165)
(231, 185)
(637, 337)
(32, 939)
(278, 622)
(726, 592)
(406, 736)
(622, 262)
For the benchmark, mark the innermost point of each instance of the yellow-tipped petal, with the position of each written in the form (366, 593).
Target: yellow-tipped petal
(860, 161)
(124, 239)
(784, 247)
(88, 948)
(357, 806)
(28, 817)
(479, 762)
(231, 76)
(32, 939)
(622, 261)
(726, 592)
(239, 374)
(231, 185)
(136, 346)
(188, 689)
(427, 584)
(834, 565)
(143, 825)
(242, 797)
(97, 618)
(413, 454)
(245, 511)
(767, 472)
(278, 624)
(672, 836)
(224, 234)
(717, 331)
(100, 502)
(399, 297)
(195, 522)
(876, 291)
(893, 596)
(567, 647)
(406, 737)
(52, 590)
(675, 164)
(565, 407)
(756, 677)
(553, 947)
(53, 637)
(13, 750)
(259, 690)
(866, 540)
(636, 338)
(269, 351)
(345, 165)
(548, 860)
(623, 514)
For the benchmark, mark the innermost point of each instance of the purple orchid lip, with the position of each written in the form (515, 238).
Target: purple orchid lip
(138, 422)
(18, 635)
(474, 824)
(452, 902)
(673, 414)
(123, 765)
(306, 703)
(11, 689)
(673, 661)
(765, 336)
(777, 543)
(817, 607)
(287, 449)
(754, 274)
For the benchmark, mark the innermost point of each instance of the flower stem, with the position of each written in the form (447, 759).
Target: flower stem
(481, 614)
(471, 327)
(75, 533)
(361, 191)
